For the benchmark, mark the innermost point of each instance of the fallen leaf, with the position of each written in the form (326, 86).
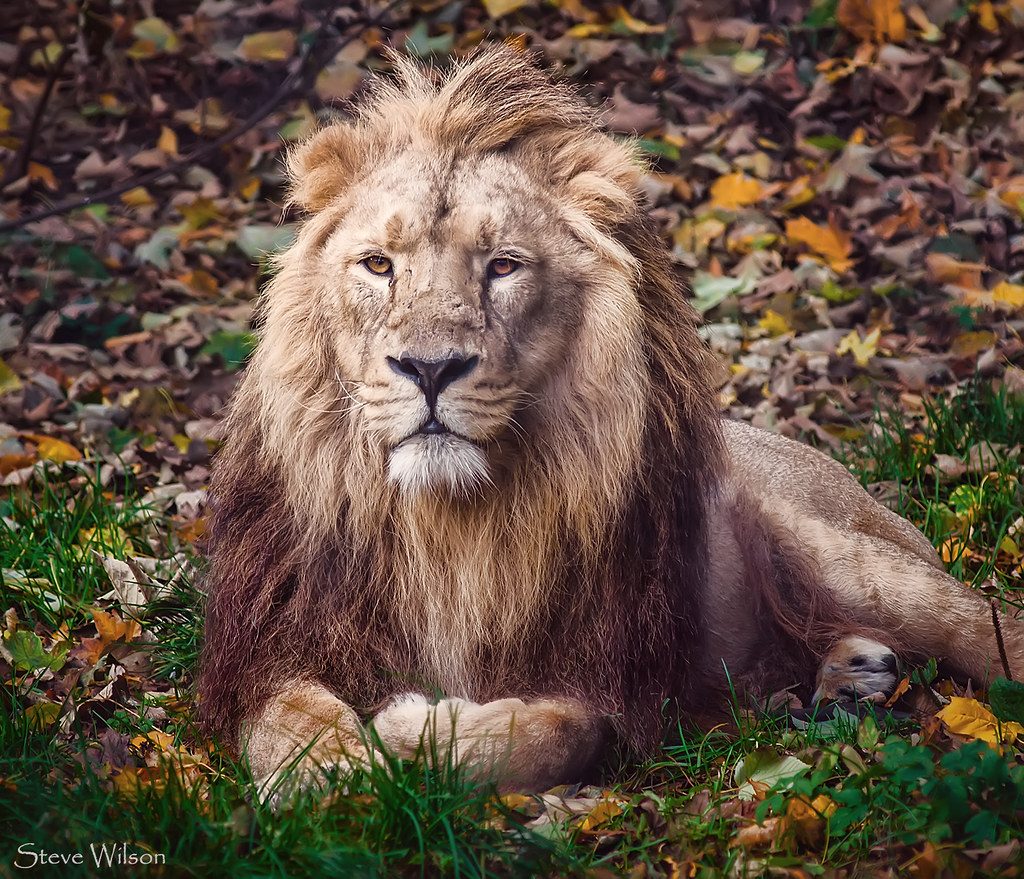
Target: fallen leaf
(635, 25)
(168, 141)
(774, 323)
(1009, 294)
(970, 719)
(52, 449)
(111, 627)
(827, 241)
(267, 46)
(735, 190)
(760, 770)
(9, 381)
(498, 8)
(863, 348)
(875, 21)
(601, 814)
(152, 36)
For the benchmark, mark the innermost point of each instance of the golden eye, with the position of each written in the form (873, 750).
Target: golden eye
(502, 267)
(378, 264)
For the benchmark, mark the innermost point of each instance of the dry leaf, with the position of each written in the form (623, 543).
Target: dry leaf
(873, 21)
(601, 814)
(827, 241)
(267, 46)
(53, 449)
(498, 8)
(735, 190)
(863, 348)
(110, 627)
(1009, 294)
(168, 141)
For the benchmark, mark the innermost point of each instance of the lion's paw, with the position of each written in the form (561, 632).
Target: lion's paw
(857, 669)
(309, 774)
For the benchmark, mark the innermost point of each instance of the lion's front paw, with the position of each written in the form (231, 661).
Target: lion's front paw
(310, 772)
(857, 669)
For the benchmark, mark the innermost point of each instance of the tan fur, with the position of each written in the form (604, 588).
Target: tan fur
(588, 536)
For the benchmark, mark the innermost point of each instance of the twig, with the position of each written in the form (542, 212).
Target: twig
(282, 93)
(994, 606)
(20, 165)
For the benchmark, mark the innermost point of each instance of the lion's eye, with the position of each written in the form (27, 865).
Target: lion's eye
(501, 267)
(378, 264)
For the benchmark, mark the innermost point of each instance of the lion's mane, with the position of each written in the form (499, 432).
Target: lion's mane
(589, 585)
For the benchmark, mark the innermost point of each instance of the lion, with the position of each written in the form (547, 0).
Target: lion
(476, 483)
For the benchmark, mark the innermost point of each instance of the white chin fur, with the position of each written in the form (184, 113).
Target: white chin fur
(438, 464)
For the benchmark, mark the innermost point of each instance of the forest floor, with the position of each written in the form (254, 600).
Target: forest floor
(844, 183)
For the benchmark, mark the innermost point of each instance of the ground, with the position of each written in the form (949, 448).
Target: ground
(843, 182)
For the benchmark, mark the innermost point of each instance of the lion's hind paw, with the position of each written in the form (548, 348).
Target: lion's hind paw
(857, 669)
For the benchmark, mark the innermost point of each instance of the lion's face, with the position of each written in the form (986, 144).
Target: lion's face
(455, 292)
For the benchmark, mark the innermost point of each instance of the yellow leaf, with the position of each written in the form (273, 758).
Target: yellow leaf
(1009, 294)
(827, 241)
(735, 190)
(268, 46)
(602, 813)
(137, 197)
(774, 323)
(163, 741)
(9, 380)
(498, 8)
(42, 715)
(973, 343)
(987, 17)
(105, 539)
(5, 118)
(807, 820)
(972, 720)
(152, 36)
(586, 31)
(168, 141)
(863, 348)
(873, 21)
(55, 450)
(635, 25)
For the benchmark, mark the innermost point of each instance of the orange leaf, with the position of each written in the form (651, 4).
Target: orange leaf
(829, 241)
(873, 21)
(41, 174)
(735, 190)
(110, 627)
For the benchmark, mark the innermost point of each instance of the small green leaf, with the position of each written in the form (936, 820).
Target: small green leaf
(28, 654)
(659, 148)
(233, 348)
(1007, 700)
(259, 238)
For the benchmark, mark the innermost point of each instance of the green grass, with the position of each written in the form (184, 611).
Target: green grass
(865, 798)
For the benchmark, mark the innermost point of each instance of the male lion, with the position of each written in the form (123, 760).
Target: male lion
(477, 453)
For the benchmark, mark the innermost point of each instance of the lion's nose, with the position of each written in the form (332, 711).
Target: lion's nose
(433, 376)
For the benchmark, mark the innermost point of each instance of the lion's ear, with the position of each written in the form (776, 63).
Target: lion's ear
(323, 166)
(601, 176)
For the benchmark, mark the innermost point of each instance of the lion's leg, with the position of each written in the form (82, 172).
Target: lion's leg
(301, 732)
(928, 612)
(521, 745)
